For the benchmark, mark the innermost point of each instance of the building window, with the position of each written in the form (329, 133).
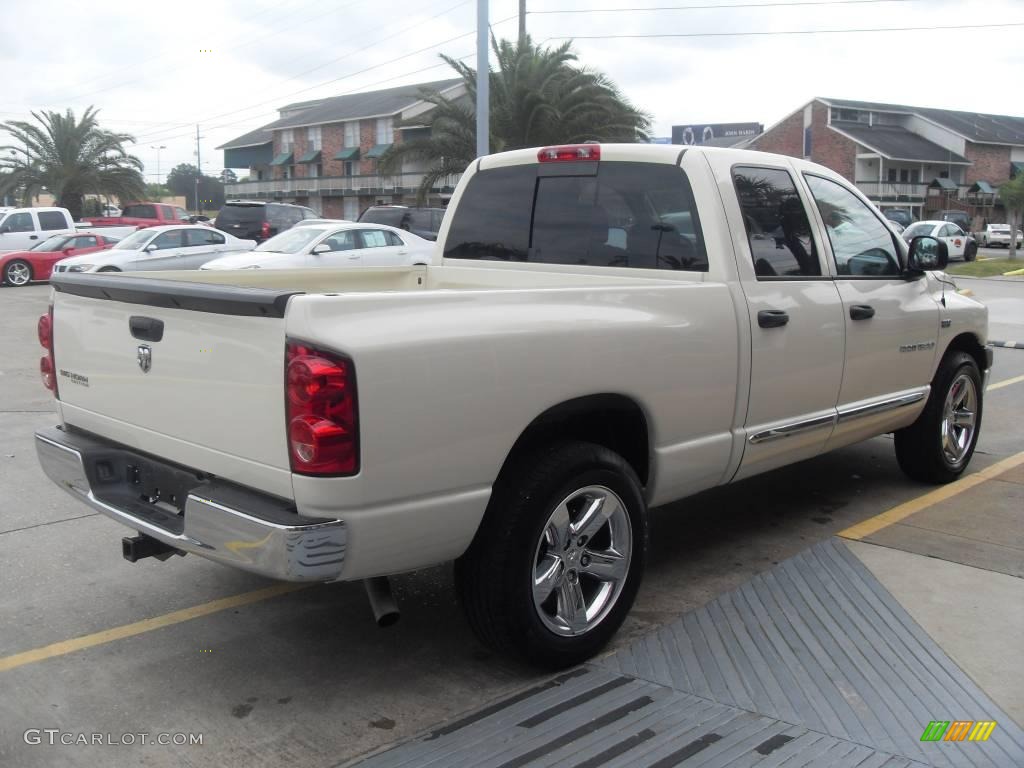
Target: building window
(314, 171)
(350, 168)
(287, 141)
(350, 208)
(892, 174)
(352, 133)
(850, 115)
(313, 138)
(385, 130)
(289, 171)
(807, 143)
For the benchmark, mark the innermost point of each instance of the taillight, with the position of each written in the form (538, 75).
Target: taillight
(265, 230)
(47, 366)
(569, 153)
(321, 408)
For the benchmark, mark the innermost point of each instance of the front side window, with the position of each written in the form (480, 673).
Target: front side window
(18, 222)
(54, 244)
(134, 241)
(918, 229)
(290, 241)
(778, 229)
(627, 215)
(862, 246)
(85, 241)
(341, 241)
(170, 239)
(51, 220)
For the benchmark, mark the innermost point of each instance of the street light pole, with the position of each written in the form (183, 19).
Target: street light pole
(158, 162)
(483, 82)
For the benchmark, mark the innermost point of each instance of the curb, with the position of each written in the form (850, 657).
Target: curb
(1007, 344)
(999, 278)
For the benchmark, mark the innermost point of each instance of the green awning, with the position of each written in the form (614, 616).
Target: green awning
(378, 150)
(285, 158)
(943, 183)
(984, 187)
(311, 157)
(347, 153)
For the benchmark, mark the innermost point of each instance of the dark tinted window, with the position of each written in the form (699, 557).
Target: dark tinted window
(203, 237)
(861, 244)
(50, 220)
(240, 214)
(168, 212)
(393, 217)
(279, 216)
(420, 219)
(139, 212)
(778, 230)
(629, 215)
(172, 239)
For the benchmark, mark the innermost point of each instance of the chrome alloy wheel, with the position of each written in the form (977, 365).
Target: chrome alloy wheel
(959, 419)
(582, 561)
(18, 273)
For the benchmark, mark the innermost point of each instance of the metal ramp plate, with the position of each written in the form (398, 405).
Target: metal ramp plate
(812, 663)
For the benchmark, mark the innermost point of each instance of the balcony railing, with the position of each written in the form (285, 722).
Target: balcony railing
(898, 191)
(337, 185)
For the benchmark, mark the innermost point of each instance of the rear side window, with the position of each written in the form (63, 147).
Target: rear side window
(278, 217)
(240, 214)
(373, 238)
(628, 215)
(203, 237)
(393, 217)
(421, 219)
(139, 212)
(778, 229)
(51, 220)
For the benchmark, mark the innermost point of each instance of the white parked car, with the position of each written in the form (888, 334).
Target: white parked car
(999, 234)
(22, 228)
(184, 246)
(609, 329)
(960, 244)
(333, 244)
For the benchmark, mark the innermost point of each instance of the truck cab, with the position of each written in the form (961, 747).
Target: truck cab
(22, 228)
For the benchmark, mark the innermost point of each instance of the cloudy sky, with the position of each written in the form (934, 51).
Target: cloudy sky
(156, 70)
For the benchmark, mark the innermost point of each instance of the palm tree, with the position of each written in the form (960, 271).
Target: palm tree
(538, 96)
(70, 158)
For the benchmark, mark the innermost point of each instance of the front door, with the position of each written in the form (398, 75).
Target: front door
(162, 253)
(19, 232)
(892, 321)
(795, 317)
(344, 251)
(955, 240)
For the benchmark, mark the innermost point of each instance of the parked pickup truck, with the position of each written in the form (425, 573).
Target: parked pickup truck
(23, 228)
(611, 328)
(140, 215)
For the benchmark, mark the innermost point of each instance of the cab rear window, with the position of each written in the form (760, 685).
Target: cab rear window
(626, 215)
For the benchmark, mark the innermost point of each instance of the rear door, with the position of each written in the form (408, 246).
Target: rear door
(795, 316)
(201, 245)
(381, 248)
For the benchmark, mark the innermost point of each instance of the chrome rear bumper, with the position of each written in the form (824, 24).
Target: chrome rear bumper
(225, 523)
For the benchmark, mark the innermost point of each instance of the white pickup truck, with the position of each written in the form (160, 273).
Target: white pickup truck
(607, 328)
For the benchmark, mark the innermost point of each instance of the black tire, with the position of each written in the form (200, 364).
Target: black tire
(494, 578)
(919, 447)
(108, 269)
(15, 264)
(971, 252)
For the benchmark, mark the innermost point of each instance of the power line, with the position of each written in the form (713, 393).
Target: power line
(155, 137)
(718, 6)
(787, 32)
(321, 66)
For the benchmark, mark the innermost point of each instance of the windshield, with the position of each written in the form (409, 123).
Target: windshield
(135, 240)
(292, 241)
(55, 243)
(918, 229)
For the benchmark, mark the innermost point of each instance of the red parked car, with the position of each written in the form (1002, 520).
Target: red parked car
(21, 267)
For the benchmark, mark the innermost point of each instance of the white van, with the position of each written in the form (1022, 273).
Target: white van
(21, 228)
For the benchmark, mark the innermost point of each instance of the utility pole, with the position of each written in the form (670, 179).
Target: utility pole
(158, 162)
(483, 82)
(522, 22)
(199, 169)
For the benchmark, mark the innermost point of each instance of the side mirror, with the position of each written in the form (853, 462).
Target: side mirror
(150, 248)
(322, 248)
(927, 254)
(67, 251)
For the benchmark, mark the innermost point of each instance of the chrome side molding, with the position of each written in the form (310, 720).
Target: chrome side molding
(847, 414)
(788, 430)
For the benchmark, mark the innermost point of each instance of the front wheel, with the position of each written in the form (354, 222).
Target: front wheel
(18, 273)
(557, 561)
(108, 269)
(971, 252)
(938, 446)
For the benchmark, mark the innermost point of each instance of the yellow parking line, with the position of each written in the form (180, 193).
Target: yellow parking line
(1004, 383)
(908, 508)
(65, 647)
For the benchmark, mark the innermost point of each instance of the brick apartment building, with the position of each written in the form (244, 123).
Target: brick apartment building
(325, 153)
(919, 158)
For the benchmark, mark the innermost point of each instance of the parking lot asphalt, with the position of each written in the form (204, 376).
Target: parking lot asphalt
(92, 644)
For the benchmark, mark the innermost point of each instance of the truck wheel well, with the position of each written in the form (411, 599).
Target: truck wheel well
(968, 342)
(614, 421)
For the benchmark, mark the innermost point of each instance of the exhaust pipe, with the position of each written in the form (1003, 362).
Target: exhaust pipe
(138, 547)
(385, 610)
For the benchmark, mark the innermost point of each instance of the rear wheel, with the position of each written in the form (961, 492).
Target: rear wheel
(938, 446)
(557, 561)
(18, 272)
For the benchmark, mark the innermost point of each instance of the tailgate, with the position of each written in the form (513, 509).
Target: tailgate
(189, 372)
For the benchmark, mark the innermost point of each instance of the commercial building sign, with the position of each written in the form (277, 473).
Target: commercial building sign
(702, 134)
